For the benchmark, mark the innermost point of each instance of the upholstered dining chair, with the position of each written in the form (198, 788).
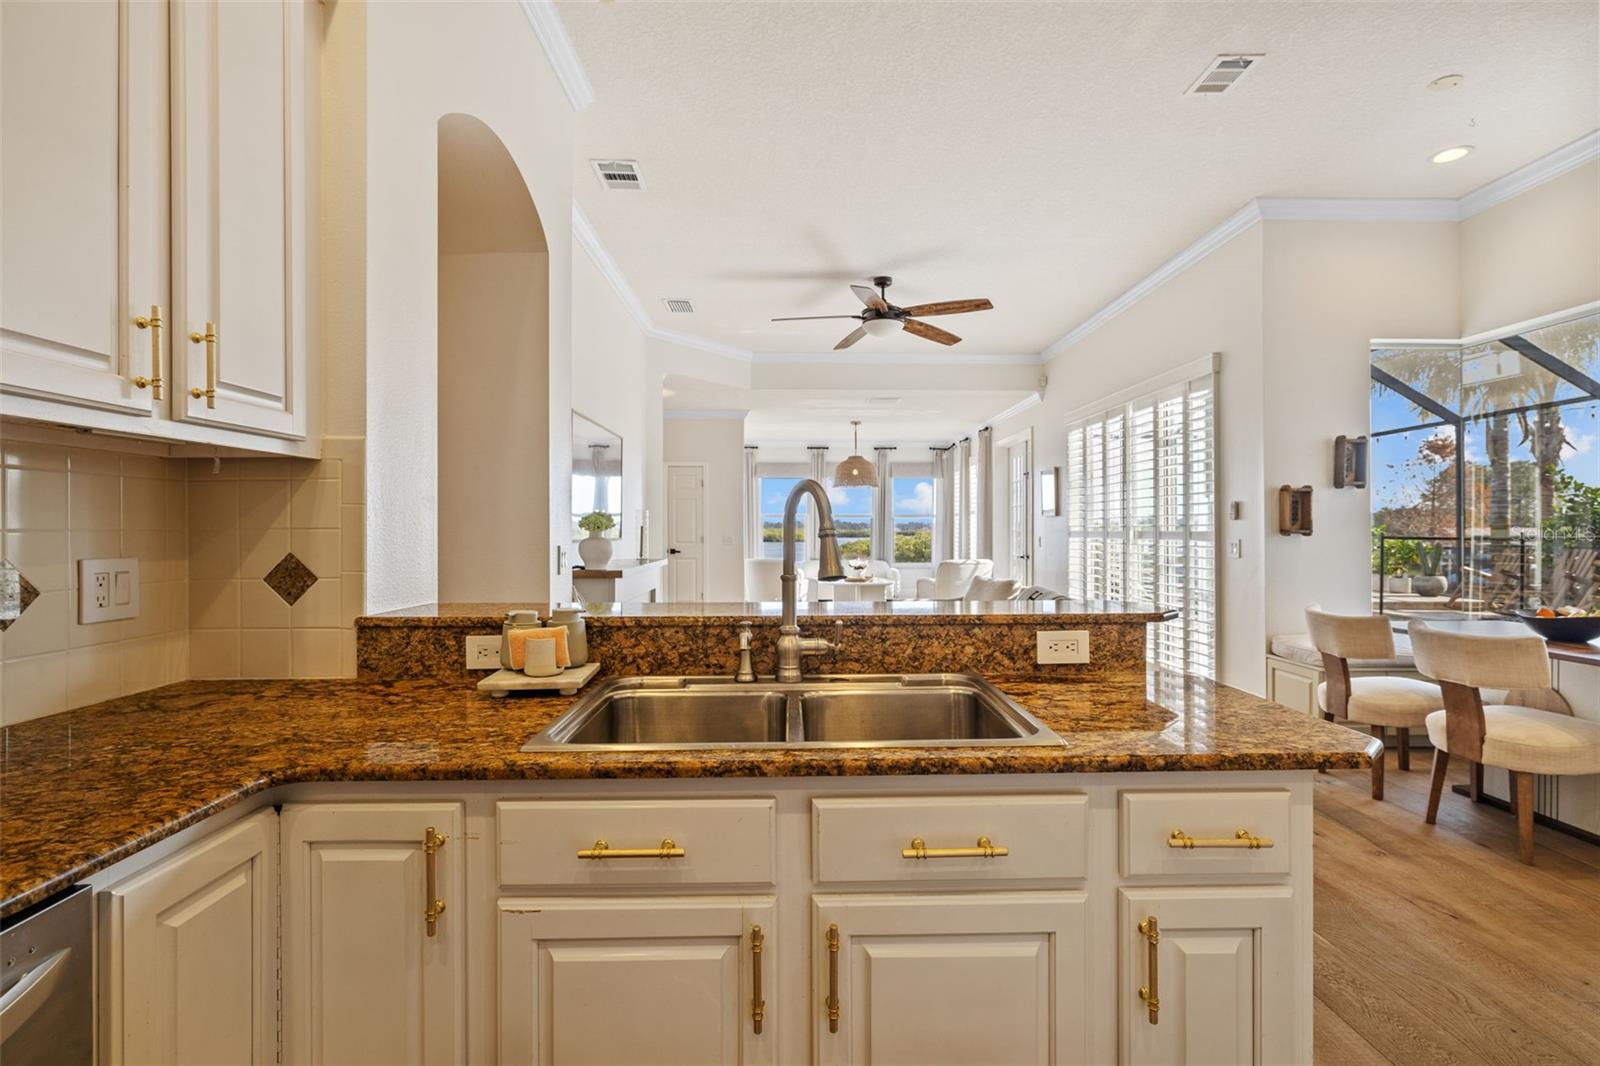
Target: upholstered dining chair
(1378, 703)
(1521, 739)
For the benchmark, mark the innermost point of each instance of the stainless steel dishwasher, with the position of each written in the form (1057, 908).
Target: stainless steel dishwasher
(47, 983)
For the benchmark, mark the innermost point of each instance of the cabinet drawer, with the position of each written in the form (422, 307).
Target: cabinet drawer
(863, 839)
(1212, 821)
(722, 842)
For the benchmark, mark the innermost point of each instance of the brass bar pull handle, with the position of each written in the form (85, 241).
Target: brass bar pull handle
(833, 979)
(986, 849)
(758, 1005)
(668, 849)
(209, 339)
(152, 322)
(1151, 993)
(1242, 838)
(431, 843)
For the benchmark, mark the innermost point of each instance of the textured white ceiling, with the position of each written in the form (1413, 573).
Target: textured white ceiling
(1040, 155)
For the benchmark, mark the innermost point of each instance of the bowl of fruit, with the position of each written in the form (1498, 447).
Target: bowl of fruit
(1565, 625)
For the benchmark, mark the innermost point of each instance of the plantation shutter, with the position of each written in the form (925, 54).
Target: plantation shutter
(1141, 515)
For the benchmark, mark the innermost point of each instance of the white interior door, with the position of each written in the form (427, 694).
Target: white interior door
(83, 215)
(1223, 976)
(686, 532)
(637, 982)
(191, 950)
(1019, 507)
(364, 981)
(951, 980)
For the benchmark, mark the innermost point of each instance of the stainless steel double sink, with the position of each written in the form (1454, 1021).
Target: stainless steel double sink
(877, 710)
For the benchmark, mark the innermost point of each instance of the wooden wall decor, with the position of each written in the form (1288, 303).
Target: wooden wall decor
(1350, 462)
(1294, 510)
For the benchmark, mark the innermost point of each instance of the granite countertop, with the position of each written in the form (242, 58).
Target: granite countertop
(83, 789)
(677, 614)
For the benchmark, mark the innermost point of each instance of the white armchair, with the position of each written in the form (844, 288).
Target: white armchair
(883, 571)
(951, 578)
(763, 581)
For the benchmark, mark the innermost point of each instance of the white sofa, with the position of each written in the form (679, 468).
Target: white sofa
(763, 581)
(952, 577)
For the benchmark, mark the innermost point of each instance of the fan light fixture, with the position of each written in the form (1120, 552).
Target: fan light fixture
(855, 472)
(882, 327)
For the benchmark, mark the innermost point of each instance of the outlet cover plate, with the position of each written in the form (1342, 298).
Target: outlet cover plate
(483, 653)
(1063, 646)
(108, 590)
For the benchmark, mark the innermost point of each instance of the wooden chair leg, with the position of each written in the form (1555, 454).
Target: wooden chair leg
(1405, 748)
(1475, 787)
(1522, 788)
(1441, 763)
(1377, 765)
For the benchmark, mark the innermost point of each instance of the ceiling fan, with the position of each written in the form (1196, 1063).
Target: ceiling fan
(881, 317)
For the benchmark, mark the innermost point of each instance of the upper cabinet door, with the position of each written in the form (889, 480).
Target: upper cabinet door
(239, 189)
(83, 184)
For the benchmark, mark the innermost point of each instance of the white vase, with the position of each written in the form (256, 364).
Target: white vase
(595, 551)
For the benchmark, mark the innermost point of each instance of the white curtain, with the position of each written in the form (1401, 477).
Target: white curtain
(752, 504)
(963, 539)
(944, 524)
(818, 473)
(983, 497)
(883, 510)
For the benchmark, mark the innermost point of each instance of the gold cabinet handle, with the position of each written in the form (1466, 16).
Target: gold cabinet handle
(668, 849)
(986, 849)
(1241, 839)
(1150, 993)
(833, 979)
(758, 1005)
(209, 339)
(431, 843)
(152, 322)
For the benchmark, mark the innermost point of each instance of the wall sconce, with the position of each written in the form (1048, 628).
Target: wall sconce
(1350, 462)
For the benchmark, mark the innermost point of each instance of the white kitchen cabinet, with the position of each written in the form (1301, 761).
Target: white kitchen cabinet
(923, 980)
(368, 978)
(239, 191)
(189, 964)
(1219, 963)
(83, 228)
(638, 982)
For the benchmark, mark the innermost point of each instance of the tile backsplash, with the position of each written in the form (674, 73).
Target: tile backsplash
(248, 568)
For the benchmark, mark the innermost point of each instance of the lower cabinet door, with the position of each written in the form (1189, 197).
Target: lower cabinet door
(964, 980)
(368, 977)
(637, 982)
(189, 964)
(1208, 976)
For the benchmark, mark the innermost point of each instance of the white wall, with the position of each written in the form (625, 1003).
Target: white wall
(719, 443)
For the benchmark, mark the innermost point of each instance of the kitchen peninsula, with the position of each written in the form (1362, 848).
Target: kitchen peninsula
(1046, 902)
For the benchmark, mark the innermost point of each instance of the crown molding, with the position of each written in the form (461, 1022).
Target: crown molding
(552, 33)
(1535, 173)
(714, 414)
(933, 358)
(1033, 399)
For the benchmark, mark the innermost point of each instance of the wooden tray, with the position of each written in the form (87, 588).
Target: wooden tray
(502, 683)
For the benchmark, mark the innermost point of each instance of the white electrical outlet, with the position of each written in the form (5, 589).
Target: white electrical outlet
(108, 589)
(483, 653)
(1063, 646)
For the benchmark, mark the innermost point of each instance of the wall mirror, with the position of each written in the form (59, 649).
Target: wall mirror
(596, 474)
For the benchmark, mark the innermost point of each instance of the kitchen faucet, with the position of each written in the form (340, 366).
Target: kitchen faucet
(791, 646)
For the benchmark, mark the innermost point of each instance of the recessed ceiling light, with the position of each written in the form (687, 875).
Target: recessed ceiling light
(1450, 155)
(1447, 81)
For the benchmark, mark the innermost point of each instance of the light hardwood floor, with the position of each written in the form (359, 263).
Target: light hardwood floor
(1434, 944)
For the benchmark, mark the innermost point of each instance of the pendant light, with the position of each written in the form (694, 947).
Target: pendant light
(856, 471)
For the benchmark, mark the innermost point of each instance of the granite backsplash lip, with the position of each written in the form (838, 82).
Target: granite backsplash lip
(906, 612)
(83, 789)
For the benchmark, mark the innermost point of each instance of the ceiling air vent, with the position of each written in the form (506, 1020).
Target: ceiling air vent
(618, 173)
(679, 307)
(1222, 74)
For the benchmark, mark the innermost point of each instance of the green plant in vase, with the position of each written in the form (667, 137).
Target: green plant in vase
(595, 549)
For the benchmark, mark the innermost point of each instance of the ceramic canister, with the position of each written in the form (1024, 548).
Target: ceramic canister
(577, 632)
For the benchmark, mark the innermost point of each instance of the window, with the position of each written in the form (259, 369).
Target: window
(1141, 519)
(773, 495)
(852, 520)
(912, 503)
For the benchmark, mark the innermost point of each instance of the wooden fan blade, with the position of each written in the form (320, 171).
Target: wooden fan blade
(855, 335)
(869, 297)
(950, 307)
(931, 333)
(810, 318)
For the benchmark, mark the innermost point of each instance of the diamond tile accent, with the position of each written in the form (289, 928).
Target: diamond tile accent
(290, 578)
(16, 594)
